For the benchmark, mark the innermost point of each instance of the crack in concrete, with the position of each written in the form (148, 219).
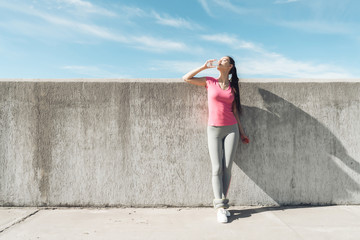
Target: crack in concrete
(19, 221)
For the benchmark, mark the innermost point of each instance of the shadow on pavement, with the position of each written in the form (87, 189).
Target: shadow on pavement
(245, 213)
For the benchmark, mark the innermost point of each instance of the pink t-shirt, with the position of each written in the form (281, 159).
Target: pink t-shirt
(220, 104)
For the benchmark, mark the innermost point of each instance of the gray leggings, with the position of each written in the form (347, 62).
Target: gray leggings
(222, 142)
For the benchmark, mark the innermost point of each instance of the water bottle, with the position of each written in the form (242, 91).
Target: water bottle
(212, 64)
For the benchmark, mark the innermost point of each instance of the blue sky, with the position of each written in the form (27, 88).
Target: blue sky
(165, 39)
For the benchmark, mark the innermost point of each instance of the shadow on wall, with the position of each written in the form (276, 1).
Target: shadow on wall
(294, 158)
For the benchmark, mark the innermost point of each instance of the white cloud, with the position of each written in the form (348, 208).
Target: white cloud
(157, 44)
(284, 67)
(205, 6)
(232, 41)
(273, 65)
(174, 22)
(85, 6)
(226, 4)
(130, 12)
(78, 3)
(91, 29)
(144, 42)
(265, 63)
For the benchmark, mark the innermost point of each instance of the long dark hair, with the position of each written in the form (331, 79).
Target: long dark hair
(234, 83)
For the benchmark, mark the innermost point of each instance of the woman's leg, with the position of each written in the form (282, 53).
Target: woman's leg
(215, 143)
(230, 145)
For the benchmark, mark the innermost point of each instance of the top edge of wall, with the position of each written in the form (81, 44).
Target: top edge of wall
(169, 80)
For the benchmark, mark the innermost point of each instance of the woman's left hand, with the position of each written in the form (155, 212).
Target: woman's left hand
(244, 139)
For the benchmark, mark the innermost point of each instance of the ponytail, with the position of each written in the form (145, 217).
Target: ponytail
(234, 83)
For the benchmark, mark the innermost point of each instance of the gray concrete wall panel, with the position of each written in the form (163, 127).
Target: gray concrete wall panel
(144, 143)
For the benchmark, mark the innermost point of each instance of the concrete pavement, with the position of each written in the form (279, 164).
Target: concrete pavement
(323, 222)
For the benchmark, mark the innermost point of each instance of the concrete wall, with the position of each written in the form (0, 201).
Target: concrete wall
(144, 143)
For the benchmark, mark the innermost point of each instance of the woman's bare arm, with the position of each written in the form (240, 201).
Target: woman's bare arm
(199, 81)
(242, 133)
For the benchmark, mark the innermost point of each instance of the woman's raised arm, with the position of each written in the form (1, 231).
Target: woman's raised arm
(190, 76)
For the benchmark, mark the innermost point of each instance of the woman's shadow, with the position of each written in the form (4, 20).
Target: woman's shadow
(292, 157)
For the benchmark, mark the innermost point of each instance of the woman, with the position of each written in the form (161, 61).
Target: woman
(223, 126)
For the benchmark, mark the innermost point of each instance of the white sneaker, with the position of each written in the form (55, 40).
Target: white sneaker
(221, 215)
